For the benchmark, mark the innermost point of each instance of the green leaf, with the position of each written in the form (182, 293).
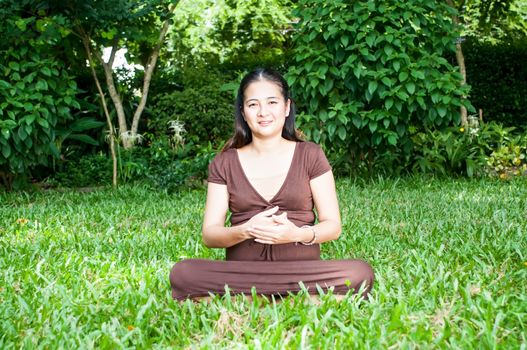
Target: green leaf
(5, 133)
(403, 76)
(441, 110)
(54, 150)
(331, 129)
(29, 119)
(41, 85)
(370, 39)
(46, 71)
(14, 66)
(342, 133)
(22, 133)
(418, 74)
(43, 122)
(392, 140)
(421, 102)
(28, 107)
(357, 71)
(372, 125)
(342, 118)
(387, 81)
(6, 151)
(356, 121)
(4, 84)
(372, 86)
(388, 103)
(410, 87)
(344, 40)
(396, 65)
(84, 138)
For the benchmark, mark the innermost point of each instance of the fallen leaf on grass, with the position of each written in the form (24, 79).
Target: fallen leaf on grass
(22, 221)
(474, 290)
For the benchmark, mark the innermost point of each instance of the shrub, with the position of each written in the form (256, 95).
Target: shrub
(498, 76)
(36, 93)
(364, 72)
(489, 149)
(509, 159)
(89, 170)
(205, 110)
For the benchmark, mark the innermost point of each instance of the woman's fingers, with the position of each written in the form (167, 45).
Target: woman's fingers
(268, 212)
(281, 219)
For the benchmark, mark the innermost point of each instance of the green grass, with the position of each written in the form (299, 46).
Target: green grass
(90, 270)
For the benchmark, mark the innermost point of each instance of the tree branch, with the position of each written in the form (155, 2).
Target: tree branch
(149, 70)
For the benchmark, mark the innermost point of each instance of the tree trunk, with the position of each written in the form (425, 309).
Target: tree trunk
(124, 135)
(149, 70)
(111, 136)
(462, 68)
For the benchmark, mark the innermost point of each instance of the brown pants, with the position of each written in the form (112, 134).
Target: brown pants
(197, 277)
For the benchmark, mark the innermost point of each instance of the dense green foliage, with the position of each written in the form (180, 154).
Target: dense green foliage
(239, 34)
(364, 73)
(497, 73)
(371, 82)
(198, 102)
(90, 270)
(37, 93)
(492, 20)
(488, 149)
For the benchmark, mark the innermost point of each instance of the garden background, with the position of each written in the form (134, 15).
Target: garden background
(110, 112)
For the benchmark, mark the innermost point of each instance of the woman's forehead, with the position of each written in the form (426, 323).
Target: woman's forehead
(262, 89)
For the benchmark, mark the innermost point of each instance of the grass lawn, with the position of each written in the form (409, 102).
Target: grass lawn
(90, 270)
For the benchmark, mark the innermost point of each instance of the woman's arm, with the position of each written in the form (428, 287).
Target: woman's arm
(215, 234)
(327, 206)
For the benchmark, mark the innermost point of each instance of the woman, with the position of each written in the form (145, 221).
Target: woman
(270, 180)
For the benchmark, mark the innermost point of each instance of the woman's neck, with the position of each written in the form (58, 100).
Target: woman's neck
(268, 146)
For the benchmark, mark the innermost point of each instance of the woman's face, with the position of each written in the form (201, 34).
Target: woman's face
(264, 108)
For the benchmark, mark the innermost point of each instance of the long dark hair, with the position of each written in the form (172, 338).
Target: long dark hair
(242, 134)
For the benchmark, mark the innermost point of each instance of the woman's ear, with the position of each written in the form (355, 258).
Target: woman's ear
(287, 107)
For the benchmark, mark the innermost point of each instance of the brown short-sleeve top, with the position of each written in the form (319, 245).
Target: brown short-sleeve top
(294, 196)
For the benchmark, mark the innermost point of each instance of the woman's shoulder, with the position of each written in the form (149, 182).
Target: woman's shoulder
(310, 147)
(218, 168)
(224, 156)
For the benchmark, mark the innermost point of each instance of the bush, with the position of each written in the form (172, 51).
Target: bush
(164, 165)
(498, 76)
(90, 170)
(36, 95)
(476, 151)
(205, 110)
(364, 72)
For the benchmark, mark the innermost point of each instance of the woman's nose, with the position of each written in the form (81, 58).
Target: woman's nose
(262, 110)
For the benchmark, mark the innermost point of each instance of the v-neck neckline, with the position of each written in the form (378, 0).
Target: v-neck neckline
(283, 183)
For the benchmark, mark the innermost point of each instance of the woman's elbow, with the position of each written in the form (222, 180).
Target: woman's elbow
(338, 229)
(206, 239)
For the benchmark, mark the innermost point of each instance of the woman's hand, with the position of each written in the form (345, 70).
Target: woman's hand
(278, 230)
(264, 218)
